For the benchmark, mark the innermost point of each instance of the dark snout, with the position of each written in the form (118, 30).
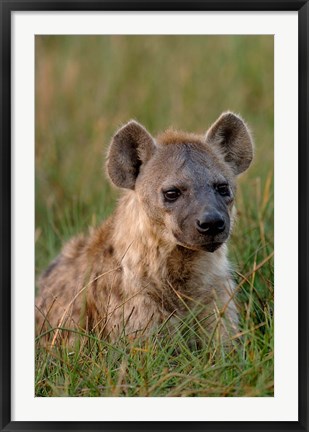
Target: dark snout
(211, 223)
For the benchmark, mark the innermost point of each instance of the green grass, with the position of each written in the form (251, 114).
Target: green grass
(85, 88)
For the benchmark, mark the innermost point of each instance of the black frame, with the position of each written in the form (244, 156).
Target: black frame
(8, 6)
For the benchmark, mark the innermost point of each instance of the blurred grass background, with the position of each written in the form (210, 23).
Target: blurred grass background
(87, 86)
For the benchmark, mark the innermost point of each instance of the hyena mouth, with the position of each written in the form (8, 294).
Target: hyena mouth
(207, 247)
(212, 247)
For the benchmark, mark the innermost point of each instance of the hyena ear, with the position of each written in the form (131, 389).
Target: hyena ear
(231, 135)
(131, 147)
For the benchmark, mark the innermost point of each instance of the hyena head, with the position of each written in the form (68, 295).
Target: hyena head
(184, 182)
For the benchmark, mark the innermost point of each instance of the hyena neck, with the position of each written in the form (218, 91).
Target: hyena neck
(144, 251)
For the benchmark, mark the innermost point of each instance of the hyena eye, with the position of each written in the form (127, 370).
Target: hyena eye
(223, 189)
(171, 194)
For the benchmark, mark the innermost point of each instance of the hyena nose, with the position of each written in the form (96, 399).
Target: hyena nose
(210, 224)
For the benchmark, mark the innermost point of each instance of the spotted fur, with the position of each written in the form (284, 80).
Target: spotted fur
(148, 262)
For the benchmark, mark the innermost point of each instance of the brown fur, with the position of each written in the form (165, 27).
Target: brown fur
(148, 261)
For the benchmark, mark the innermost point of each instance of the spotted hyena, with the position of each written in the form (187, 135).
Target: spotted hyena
(163, 251)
